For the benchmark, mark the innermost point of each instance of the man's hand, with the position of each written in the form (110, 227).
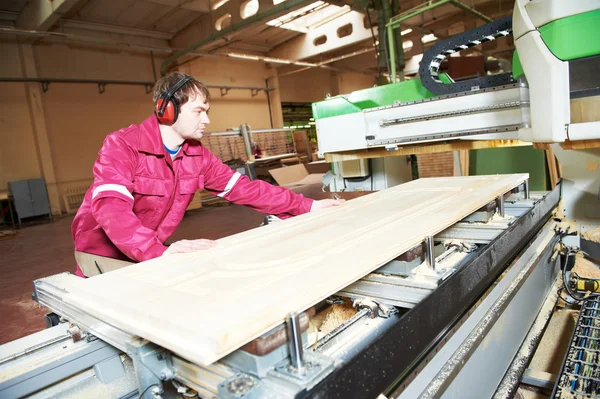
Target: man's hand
(185, 246)
(326, 203)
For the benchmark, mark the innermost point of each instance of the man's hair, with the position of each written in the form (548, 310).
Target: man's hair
(188, 90)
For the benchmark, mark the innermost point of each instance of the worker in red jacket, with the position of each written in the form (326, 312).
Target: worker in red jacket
(146, 176)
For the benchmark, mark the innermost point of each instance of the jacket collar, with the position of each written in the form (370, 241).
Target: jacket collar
(192, 147)
(151, 141)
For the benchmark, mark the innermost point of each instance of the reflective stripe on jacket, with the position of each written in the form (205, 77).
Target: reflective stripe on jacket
(140, 194)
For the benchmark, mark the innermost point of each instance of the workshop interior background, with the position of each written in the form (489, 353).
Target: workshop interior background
(54, 130)
(73, 71)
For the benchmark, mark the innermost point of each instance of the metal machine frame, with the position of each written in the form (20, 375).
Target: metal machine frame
(446, 332)
(368, 355)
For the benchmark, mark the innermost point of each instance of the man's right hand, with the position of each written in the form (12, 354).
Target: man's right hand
(185, 246)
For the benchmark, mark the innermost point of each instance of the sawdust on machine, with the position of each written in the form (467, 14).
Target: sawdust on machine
(585, 268)
(332, 317)
(592, 235)
(554, 343)
(558, 212)
(568, 225)
(572, 395)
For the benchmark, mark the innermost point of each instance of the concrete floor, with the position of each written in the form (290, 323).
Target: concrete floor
(45, 248)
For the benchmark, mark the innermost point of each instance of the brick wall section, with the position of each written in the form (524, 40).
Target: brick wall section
(436, 165)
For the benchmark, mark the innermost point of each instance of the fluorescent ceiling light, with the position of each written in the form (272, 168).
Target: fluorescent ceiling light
(218, 3)
(309, 17)
(407, 44)
(406, 31)
(428, 38)
(276, 60)
(270, 59)
(302, 63)
(244, 56)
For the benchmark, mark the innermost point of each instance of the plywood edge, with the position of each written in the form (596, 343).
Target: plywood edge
(580, 144)
(428, 148)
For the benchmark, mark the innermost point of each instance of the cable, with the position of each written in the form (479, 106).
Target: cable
(378, 53)
(150, 386)
(577, 297)
(146, 390)
(573, 295)
(184, 390)
(564, 298)
(387, 56)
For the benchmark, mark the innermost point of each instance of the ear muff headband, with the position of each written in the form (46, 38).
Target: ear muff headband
(167, 110)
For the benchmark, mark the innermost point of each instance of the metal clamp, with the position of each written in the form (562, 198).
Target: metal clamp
(76, 333)
(374, 309)
(500, 201)
(269, 219)
(152, 364)
(430, 251)
(295, 341)
(241, 385)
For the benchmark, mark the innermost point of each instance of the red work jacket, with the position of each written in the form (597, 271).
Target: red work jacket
(140, 194)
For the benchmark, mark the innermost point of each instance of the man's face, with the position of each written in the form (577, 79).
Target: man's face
(193, 118)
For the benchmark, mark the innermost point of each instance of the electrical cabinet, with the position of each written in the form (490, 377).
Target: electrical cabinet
(30, 198)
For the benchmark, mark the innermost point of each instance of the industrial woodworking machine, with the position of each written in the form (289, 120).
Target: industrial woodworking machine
(550, 98)
(428, 321)
(457, 316)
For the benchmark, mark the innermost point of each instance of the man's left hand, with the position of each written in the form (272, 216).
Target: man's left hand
(326, 203)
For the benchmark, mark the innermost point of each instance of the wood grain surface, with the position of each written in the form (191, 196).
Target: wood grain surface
(207, 304)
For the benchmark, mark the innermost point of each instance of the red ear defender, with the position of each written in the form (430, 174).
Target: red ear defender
(167, 109)
(166, 115)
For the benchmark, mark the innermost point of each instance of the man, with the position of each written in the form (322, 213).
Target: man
(146, 176)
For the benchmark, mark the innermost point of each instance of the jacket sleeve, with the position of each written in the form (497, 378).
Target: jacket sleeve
(112, 202)
(222, 181)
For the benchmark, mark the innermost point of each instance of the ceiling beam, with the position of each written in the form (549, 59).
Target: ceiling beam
(439, 25)
(237, 27)
(92, 26)
(202, 6)
(43, 14)
(306, 46)
(266, 11)
(9, 16)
